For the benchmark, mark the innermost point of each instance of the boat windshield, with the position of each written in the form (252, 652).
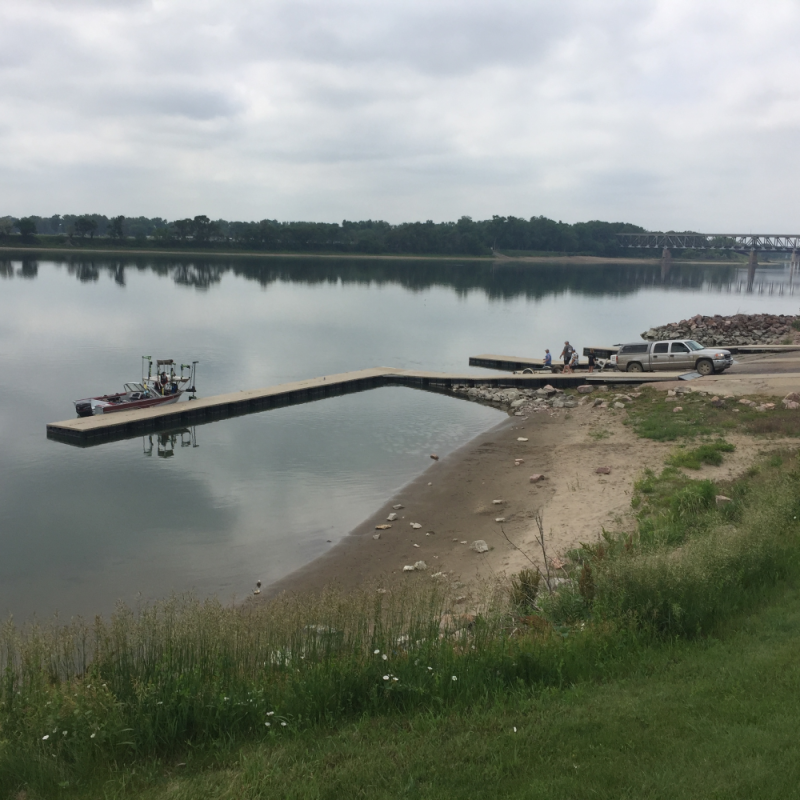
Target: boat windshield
(134, 387)
(694, 345)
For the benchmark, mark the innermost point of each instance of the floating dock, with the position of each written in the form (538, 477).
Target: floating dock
(519, 363)
(89, 431)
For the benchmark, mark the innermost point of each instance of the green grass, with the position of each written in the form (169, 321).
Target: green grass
(708, 453)
(713, 719)
(379, 700)
(653, 417)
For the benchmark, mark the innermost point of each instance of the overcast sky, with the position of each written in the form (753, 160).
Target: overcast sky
(672, 114)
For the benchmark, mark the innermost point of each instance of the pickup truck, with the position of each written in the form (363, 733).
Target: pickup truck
(681, 355)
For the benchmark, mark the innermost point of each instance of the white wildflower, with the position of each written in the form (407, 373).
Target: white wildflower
(270, 713)
(93, 735)
(283, 724)
(45, 737)
(268, 724)
(385, 657)
(377, 652)
(455, 678)
(386, 677)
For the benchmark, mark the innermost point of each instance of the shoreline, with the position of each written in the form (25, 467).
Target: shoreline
(454, 502)
(454, 499)
(493, 259)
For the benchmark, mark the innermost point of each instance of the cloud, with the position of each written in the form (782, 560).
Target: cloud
(665, 113)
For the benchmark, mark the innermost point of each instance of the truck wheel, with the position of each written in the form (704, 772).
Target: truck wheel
(705, 366)
(634, 366)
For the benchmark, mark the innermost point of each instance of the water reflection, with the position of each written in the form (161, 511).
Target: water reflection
(164, 444)
(497, 279)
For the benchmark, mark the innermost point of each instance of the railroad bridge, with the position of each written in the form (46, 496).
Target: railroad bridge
(751, 243)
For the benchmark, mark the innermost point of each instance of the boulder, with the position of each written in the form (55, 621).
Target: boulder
(722, 500)
(677, 409)
(603, 471)
(479, 546)
(536, 477)
(585, 389)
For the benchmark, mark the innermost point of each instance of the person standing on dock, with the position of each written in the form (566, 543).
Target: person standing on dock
(591, 359)
(548, 360)
(566, 354)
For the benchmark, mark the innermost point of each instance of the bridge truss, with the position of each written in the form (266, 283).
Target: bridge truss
(742, 242)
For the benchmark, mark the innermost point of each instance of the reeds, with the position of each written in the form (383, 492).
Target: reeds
(188, 673)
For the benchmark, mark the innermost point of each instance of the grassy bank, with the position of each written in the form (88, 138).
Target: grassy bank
(256, 689)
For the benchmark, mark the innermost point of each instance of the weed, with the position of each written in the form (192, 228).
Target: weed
(709, 453)
(524, 589)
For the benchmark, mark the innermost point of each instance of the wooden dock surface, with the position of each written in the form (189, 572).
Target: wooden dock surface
(88, 431)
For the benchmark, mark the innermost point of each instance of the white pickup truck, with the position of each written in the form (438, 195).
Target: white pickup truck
(681, 355)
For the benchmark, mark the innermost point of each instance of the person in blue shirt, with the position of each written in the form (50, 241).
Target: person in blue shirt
(548, 360)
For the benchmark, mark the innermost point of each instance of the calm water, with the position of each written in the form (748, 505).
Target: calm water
(216, 508)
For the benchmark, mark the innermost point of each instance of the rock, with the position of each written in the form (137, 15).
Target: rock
(421, 566)
(604, 404)
(569, 403)
(416, 545)
(518, 403)
(670, 393)
(619, 405)
(392, 517)
(792, 397)
(585, 389)
(437, 575)
(597, 402)
(722, 500)
(791, 405)
(768, 406)
(376, 536)
(603, 471)
(382, 527)
(434, 457)
(479, 546)
(624, 398)
(558, 403)
(677, 409)
(521, 439)
(397, 507)
(416, 525)
(536, 477)
(408, 568)
(500, 519)
(497, 502)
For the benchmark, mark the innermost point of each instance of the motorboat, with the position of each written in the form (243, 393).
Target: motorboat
(159, 389)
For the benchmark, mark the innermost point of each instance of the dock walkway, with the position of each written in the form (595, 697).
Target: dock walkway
(88, 431)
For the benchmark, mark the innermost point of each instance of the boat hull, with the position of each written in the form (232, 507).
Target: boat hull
(101, 405)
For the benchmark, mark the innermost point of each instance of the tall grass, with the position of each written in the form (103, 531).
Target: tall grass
(185, 674)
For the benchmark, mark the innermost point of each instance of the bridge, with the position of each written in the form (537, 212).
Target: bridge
(739, 242)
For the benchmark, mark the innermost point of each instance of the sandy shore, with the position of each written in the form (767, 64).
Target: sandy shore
(496, 258)
(454, 499)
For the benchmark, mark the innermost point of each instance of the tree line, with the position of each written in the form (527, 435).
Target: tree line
(464, 237)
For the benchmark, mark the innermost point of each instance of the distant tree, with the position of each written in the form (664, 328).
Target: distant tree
(116, 229)
(7, 225)
(85, 226)
(183, 228)
(27, 227)
(204, 229)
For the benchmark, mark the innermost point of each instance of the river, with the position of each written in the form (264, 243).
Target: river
(212, 509)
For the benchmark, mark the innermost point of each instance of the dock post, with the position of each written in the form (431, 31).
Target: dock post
(666, 262)
(751, 269)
